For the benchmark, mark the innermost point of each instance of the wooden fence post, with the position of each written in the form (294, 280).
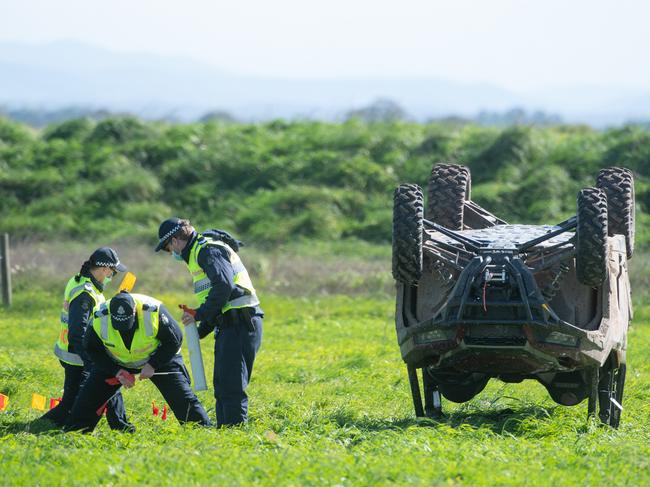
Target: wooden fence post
(5, 270)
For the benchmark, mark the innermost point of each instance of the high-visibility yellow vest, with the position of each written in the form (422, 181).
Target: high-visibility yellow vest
(72, 290)
(145, 341)
(202, 284)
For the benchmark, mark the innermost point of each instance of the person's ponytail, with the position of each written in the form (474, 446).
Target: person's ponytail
(85, 269)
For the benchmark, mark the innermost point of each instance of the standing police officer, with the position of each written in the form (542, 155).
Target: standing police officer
(228, 305)
(134, 333)
(82, 294)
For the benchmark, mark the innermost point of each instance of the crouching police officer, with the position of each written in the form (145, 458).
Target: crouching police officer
(228, 305)
(134, 333)
(82, 294)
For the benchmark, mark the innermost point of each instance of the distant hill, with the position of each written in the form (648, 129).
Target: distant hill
(68, 73)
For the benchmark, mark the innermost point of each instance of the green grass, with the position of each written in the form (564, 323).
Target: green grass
(329, 405)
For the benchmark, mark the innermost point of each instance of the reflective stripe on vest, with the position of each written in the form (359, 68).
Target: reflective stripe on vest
(144, 337)
(67, 357)
(72, 290)
(202, 284)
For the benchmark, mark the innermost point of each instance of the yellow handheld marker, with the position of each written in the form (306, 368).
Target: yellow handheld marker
(128, 282)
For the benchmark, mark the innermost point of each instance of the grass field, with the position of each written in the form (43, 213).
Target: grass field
(329, 405)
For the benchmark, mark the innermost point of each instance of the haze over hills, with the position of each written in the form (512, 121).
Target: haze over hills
(69, 73)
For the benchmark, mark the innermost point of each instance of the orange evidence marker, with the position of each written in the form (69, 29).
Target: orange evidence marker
(102, 409)
(4, 402)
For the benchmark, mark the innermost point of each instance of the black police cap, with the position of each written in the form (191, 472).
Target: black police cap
(166, 230)
(106, 257)
(122, 309)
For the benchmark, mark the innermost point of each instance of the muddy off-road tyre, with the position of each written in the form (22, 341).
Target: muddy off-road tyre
(408, 215)
(591, 237)
(449, 188)
(618, 185)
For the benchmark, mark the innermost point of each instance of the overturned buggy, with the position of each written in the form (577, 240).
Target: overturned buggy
(478, 298)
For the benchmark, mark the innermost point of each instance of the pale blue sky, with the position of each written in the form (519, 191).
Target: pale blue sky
(521, 45)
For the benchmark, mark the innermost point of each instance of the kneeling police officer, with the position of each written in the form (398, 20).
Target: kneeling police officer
(134, 333)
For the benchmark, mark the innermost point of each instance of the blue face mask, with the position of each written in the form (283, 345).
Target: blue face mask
(176, 255)
(108, 279)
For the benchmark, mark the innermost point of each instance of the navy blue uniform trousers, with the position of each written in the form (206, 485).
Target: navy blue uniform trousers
(74, 377)
(235, 347)
(175, 388)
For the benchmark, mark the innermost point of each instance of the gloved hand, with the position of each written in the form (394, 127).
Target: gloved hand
(188, 314)
(147, 371)
(126, 378)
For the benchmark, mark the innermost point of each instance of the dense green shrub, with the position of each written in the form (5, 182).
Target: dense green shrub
(119, 131)
(282, 180)
(78, 128)
(13, 133)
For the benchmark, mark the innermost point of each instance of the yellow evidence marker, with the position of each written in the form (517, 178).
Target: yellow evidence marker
(128, 282)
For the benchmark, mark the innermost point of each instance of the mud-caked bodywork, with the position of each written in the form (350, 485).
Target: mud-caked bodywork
(478, 298)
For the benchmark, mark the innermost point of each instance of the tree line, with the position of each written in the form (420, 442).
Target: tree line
(277, 181)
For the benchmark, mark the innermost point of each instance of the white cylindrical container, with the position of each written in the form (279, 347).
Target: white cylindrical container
(196, 359)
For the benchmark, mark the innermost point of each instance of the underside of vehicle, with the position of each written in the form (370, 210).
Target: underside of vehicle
(478, 298)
